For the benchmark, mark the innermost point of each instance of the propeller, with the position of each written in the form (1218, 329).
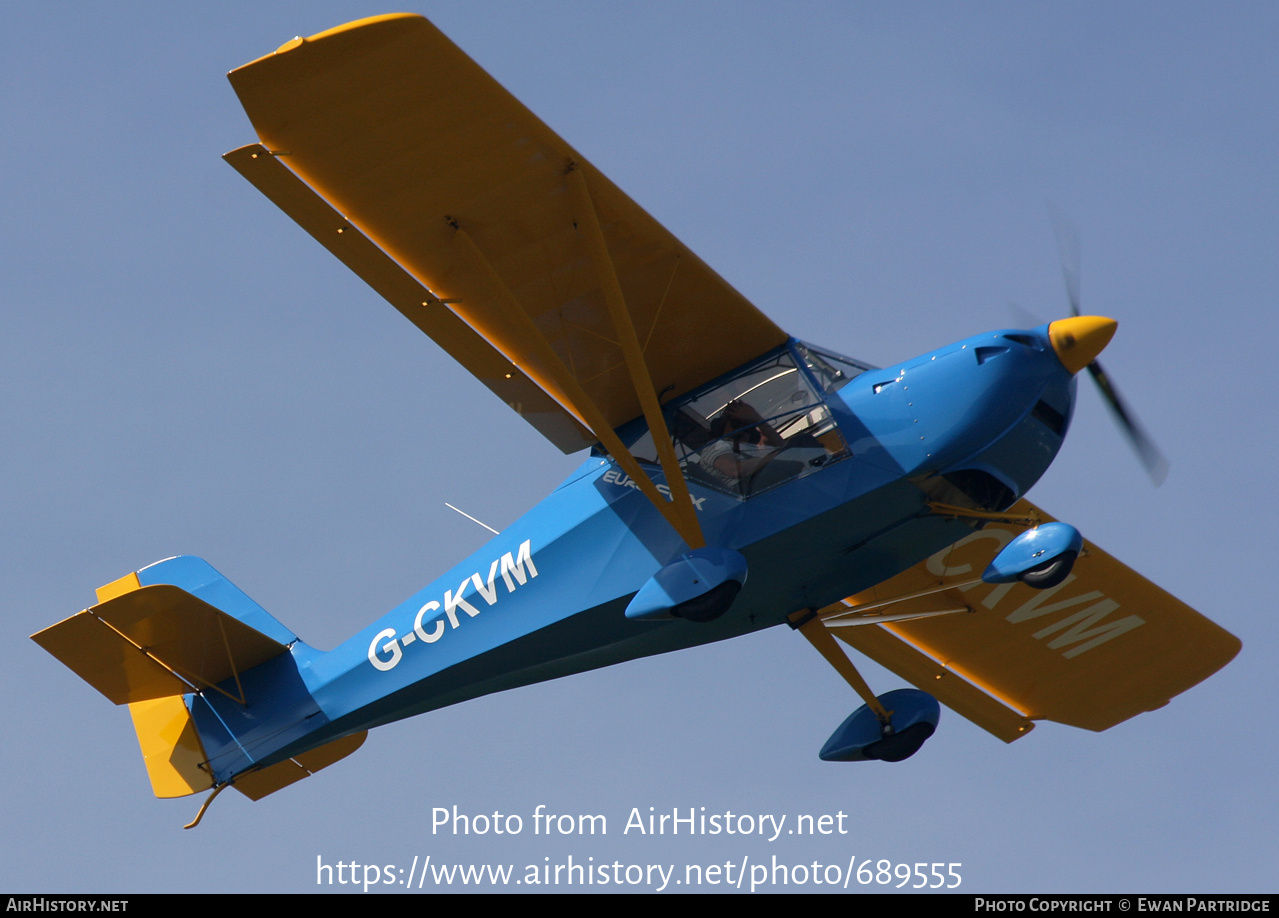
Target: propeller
(1149, 454)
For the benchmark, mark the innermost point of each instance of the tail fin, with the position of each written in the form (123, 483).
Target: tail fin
(159, 637)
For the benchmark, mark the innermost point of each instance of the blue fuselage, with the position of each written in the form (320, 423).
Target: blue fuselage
(975, 423)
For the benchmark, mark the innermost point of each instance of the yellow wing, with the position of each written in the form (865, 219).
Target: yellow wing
(485, 228)
(1103, 646)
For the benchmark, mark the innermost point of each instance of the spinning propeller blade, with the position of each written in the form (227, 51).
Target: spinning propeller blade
(1068, 251)
(1154, 461)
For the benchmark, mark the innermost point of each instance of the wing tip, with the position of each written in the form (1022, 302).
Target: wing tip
(369, 27)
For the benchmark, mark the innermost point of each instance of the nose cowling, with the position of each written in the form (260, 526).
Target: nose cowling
(1078, 340)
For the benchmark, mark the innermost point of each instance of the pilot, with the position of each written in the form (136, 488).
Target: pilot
(742, 444)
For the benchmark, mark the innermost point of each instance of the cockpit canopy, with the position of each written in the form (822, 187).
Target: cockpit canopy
(759, 427)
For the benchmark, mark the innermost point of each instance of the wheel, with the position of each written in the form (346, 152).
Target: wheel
(1051, 572)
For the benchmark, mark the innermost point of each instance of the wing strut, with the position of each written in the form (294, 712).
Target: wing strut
(681, 501)
(809, 624)
(504, 376)
(563, 381)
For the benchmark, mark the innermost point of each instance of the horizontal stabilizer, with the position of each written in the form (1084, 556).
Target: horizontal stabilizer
(149, 644)
(155, 641)
(257, 784)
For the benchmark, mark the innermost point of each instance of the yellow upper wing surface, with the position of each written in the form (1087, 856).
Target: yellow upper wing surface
(475, 219)
(1101, 647)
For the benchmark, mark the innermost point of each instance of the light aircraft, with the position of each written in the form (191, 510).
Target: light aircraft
(737, 478)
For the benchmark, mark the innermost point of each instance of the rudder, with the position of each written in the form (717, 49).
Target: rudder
(158, 638)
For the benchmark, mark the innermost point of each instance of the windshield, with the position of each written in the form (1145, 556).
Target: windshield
(830, 370)
(760, 428)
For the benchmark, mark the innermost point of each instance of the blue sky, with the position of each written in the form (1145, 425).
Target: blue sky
(185, 371)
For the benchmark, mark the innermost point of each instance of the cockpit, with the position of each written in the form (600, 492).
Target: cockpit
(762, 426)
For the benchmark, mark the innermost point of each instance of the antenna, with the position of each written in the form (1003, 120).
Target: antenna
(472, 519)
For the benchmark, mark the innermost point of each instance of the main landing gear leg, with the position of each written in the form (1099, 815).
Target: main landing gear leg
(873, 731)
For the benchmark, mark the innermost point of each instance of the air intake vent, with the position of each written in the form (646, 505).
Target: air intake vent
(1050, 417)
